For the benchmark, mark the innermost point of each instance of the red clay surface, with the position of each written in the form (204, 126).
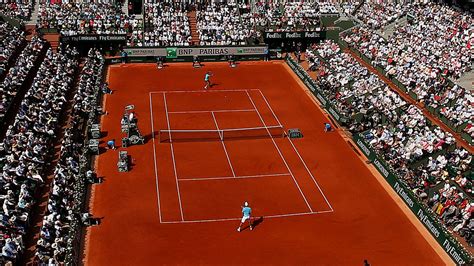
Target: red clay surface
(164, 216)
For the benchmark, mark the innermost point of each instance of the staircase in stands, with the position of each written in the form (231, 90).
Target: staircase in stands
(193, 26)
(53, 39)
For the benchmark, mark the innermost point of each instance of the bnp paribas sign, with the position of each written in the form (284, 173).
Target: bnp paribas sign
(175, 52)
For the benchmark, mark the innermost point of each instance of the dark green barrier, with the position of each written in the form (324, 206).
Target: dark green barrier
(343, 44)
(426, 217)
(366, 59)
(364, 147)
(152, 59)
(379, 69)
(341, 119)
(461, 127)
(467, 137)
(309, 82)
(12, 21)
(48, 31)
(413, 95)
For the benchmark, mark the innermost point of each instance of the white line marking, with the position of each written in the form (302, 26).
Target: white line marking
(221, 134)
(174, 162)
(222, 130)
(281, 155)
(200, 91)
(154, 156)
(255, 217)
(299, 155)
(215, 111)
(274, 115)
(230, 177)
(312, 177)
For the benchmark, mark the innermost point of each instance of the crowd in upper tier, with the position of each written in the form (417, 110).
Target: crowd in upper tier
(219, 24)
(168, 23)
(424, 54)
(71, 18)
(20, 9)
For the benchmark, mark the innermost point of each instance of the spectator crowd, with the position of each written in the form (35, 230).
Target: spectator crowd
(166, 24)
(74, 18)
(64, 205)
(19, 9)
(376, 15)
(295, 16)
(27, 144)
(220, 24)
(17, 74)
(424, 54)
(422, 154)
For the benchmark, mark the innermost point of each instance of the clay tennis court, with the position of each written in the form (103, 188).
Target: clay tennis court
(206, 152)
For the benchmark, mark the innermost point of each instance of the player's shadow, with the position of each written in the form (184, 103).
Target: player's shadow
(149, 137)
(255, 223)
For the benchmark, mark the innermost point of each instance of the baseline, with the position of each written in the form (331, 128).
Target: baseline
(254, 217)
(232, 177)
(215, 111)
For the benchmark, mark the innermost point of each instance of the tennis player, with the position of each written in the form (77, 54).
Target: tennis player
(246, 214)
(207, 79)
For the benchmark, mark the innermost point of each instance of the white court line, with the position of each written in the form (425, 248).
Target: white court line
(201, 91)
(215, 111)
(255, 217)
(154, 157)
(281, 155)
(231, 177)
(299, 155)
(172, 155)
(223, 144)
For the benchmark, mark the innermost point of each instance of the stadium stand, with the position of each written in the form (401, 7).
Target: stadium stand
(27, 144)
(423, 56)
(304, 16)
(63, 205)
(422, 154)
(17, 75)
(20, 9)
(220, 24)
(85, 18)
(12, 42)
(166, 24)
(378, 15)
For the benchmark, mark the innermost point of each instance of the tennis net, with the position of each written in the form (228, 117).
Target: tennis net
(188, 135)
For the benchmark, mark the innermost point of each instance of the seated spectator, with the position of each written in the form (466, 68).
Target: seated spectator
(167, 24)
(25, 147)
(19, 9)
(219, 24)
(16, 75)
